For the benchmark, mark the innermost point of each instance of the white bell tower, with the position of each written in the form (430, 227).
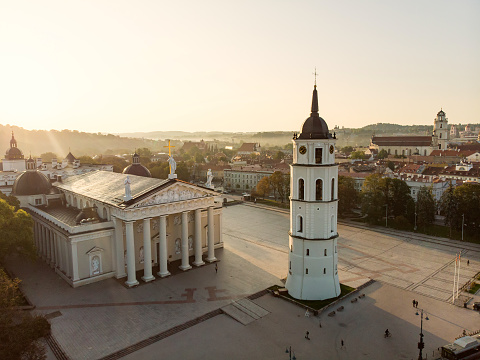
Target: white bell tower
(313, 257)
(440, 131)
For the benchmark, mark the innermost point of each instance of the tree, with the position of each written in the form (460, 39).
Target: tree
(358, 155)
(279, 156)
(449, 207)
(373, 198)
(19, 331)
(425, 206)
(11, 200)
(391, 165)
(347, 150)
(16, 231)
(264, 186)
(382, 154)
(347, 194)
(160, 170)
(48, 156)
(468, 199)
(397, 194)
(144, 152)
(183, 173)
(279, 185)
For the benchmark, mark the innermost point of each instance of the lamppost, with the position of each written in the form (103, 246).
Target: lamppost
(421, 344)
(415, 226)
(289, 351)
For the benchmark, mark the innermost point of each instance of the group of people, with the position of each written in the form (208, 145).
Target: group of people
(415, 303)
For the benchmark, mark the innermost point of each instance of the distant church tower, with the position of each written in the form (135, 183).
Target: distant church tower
(313, 257)
(440, 131)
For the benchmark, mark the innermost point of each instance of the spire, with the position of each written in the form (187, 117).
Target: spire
(13, 142)
(315, 101)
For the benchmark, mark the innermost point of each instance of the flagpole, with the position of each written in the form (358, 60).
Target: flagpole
(454, 277)
(458, 271)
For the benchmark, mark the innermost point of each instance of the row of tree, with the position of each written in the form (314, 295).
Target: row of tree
(383, 198)
(277, 183)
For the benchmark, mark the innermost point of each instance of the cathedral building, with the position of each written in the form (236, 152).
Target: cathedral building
(101, 224)
(415, 145)
(313, 257)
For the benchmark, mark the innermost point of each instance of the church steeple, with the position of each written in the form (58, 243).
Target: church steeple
(13, 142)
(315, 101)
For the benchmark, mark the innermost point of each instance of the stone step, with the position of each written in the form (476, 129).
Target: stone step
(237, 314)
(250, 305)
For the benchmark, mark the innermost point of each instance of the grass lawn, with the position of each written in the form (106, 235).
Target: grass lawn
(318, 304)
(474, 289)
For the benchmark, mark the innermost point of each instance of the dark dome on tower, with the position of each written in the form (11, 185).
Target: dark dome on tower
(314, 127)
(441, 113)
(31, 182)
(136, 168)
(13, 153)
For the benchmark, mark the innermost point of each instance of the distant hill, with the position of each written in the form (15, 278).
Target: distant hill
(79, 143)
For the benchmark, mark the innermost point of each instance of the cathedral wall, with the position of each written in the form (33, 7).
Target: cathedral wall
(84, 259)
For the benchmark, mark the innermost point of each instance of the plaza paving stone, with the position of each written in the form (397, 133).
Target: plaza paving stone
(101, 318)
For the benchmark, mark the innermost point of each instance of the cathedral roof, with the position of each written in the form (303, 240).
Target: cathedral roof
(70, 158)
(402, 140)
(314, 127)
(31, 182)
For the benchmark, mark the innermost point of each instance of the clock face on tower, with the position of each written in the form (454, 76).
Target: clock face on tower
(302, 150)
(331, 149)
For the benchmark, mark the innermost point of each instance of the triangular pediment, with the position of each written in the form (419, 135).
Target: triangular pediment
(95, 249)
(174, 193)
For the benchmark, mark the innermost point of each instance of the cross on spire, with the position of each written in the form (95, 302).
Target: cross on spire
(315, 73)
(169, 148)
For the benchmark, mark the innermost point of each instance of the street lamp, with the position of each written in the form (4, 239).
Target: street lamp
(415, 226)
(289, 351)
(421, 344)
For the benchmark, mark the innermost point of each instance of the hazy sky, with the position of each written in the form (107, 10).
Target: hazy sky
(123, 66)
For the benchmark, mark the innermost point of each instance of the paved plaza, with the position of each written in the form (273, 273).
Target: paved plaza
(99, 319)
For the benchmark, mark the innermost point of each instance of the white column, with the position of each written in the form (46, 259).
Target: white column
(74, 262)
(49, 247)
(147, 252)
(44, 242)
(37, 237)
(119, 248)
(132, 278)
(198, 238)
(54, 251)
(211, 236)
(163, 247)
(185, 265)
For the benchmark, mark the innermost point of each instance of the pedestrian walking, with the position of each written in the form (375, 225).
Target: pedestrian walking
(468, 262)
(216, 268)
(319, 324)
(413, 302)
(306, 335)
(416, 304)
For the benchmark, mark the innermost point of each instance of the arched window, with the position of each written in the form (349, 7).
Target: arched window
(300, 224)
(319, 190)
(306, 271)
(325, 252)
(308, 252)
(301, 189)
(324, 270)
(333, 189)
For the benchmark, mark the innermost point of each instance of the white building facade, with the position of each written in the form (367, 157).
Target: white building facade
(313, 257)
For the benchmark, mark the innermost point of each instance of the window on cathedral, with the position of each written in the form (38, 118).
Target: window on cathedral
(324, 270)
(333, 189)
(306, 271)
(318, 155)
(300, 224)
(301, 189)
(308, 252)
(319, 189)
(325, 252)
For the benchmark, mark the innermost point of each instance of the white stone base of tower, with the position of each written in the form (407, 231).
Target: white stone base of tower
(313, 277)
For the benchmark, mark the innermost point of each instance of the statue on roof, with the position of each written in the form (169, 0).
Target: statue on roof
(208, 183)
(173, 167)
(128, 193)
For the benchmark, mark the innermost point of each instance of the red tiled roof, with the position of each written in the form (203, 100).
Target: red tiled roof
(248, 147)
(402, 140)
